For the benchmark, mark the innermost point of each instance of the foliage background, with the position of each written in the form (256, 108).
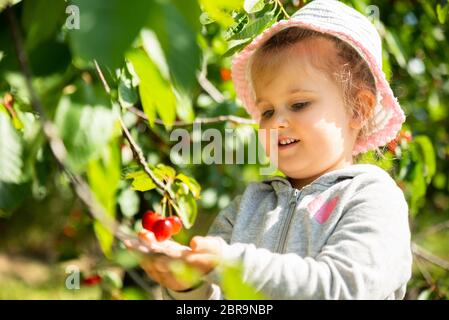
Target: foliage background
(168, 61)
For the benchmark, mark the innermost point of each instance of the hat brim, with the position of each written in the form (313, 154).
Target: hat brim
(388, 115)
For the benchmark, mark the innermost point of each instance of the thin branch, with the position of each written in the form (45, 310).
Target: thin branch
(207, 85)
(137, 151)
(425, 273)
(436, 228)
(430, 257)
(282, 9)
(141, 159)
(102, 78)
(139, 281)
(223, 118)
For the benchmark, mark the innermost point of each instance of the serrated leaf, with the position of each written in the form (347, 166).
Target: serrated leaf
(254, 28)
(165, 171)
(11, 151)
(187, 210)
(241, 21)
(252, 6)
(191, 183)
(236, 45)
(141, 181)
(155, 91)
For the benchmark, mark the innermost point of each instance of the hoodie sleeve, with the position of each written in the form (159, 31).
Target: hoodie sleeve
(221, 227)
(368, 256)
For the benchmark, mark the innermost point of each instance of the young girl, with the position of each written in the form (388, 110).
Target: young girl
(331, 229)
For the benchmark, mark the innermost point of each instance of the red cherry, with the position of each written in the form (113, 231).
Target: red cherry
(407, 135)
(176, 223)
(149, 219)
(92, 280)
(225, 74)
(392, 145)
(162, 229)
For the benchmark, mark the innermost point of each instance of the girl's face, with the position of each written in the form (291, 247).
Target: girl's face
(302, 102)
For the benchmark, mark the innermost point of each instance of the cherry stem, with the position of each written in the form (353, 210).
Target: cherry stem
(170, 209)
(164, 202)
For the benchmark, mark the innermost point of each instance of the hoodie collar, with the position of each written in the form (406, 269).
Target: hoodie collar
(280, 183)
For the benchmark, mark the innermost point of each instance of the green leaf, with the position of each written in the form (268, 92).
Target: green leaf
(129, 202)
(11, 196)
(252, 6)
(442, 11)
(184, 107)
(187, 209)
(104, 176)
(141, 181)
(127, 94)
(234, 287)
(167, 172)
(191, 183)
(395, 48)
(85, 129)
(185, 273)
(252, 29)
(418, 187)
(155, 92)
(11, 151)
(236, 45)
(220, 10)
(177, 38)
(108, 28)
(41, 20)
(56, 52)
(241, 20)
(427, 155)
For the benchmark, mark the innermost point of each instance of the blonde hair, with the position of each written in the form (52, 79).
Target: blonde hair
(347, 68)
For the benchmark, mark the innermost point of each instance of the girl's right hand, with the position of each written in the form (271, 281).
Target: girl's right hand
(158, 267)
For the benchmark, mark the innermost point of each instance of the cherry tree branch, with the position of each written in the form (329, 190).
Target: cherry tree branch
(430, 257)
(223, 118)
(137, 151)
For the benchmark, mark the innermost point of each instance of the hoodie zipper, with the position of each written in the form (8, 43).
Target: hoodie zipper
(293, 201)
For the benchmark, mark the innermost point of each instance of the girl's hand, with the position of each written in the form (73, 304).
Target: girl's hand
(203, 254)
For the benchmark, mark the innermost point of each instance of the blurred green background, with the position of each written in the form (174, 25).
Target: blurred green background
(167, 63)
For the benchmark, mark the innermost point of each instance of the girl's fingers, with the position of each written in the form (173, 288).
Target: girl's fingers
(206, 244)
(167, 247)
(158, 269)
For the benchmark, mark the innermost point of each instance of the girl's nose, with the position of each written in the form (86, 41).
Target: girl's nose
(281, 120)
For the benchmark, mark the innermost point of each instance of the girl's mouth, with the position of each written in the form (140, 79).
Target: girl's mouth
(288, 144)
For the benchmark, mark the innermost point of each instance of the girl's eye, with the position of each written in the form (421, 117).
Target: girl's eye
(300, 105)
(267, 113)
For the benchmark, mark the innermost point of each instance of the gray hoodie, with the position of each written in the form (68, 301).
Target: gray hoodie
(344, 236)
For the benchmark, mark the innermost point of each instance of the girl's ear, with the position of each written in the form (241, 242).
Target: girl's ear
(366, 101)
